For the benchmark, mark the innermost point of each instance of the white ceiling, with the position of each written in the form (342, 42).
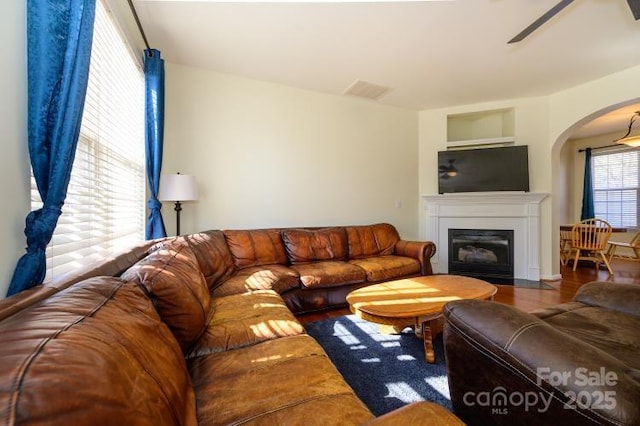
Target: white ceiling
(615, 122)
(431, 54)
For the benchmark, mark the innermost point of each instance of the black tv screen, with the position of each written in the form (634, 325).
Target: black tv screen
(484, 170)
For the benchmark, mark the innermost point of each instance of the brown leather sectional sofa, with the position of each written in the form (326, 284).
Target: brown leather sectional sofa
(193, 330)
(313, 269)
(576, 363)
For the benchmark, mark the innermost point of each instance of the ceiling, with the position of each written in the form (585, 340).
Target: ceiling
(615, 122)
(431, 54)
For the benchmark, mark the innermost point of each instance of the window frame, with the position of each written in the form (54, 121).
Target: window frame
(620, 176)
(110, 157)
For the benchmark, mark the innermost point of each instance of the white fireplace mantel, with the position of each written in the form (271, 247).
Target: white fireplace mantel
(517, 211)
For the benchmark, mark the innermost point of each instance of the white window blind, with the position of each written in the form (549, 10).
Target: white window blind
(616, 184)
(104, 209)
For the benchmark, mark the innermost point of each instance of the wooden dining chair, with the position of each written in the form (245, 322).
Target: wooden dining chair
(566, 249)
(589, 240)
(633, 245)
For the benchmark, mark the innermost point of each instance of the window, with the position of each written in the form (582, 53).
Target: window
(616, 184)
(104, 209)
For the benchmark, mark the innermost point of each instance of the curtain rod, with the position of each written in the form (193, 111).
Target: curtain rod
(601, 147)
(135, 16)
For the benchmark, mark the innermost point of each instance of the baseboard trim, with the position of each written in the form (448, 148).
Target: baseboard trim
(555, 277)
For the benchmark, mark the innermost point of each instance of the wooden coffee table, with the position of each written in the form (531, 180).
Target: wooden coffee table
(416, 302)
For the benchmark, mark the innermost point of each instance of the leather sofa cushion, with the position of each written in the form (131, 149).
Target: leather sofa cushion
(95, 353)
(626, 297)
(213, 255)
(416, 413)
(304, 245)
(616, 333)
(246, 319)
(371, 240)
(329, 274)
(211, 252)
(110, 266)
(268, 277)
(513, 345)
(383, 268)
(305, 300)
(172, 278)
(283, 381)
(553, 310)
(256, 247)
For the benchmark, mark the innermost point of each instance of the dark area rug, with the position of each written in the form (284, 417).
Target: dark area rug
(385, 371)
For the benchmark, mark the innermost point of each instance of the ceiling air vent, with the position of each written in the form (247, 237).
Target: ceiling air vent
(367, 90)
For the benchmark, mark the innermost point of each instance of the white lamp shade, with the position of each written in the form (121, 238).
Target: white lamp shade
(177, 188)
(630, 141)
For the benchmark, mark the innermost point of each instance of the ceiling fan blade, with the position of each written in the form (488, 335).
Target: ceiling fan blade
(634, 5)
(544, 18)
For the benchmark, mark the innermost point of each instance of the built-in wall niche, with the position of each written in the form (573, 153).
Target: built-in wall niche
(488, 127)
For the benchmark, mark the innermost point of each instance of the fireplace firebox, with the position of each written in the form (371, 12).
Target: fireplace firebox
(481, 253)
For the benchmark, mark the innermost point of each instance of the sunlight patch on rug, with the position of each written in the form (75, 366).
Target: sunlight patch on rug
(386, 371)
(403, 392)
(340, 331)
(439, 384)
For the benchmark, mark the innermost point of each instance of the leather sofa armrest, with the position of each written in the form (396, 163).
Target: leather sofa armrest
(617, 297)
(423, 251)
(498, 352)
(418, 413)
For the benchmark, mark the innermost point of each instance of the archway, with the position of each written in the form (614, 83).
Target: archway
(565, 161)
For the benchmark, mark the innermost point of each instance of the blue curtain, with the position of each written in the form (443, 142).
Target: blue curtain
(588, 209)
(59, 36)
(154, 94)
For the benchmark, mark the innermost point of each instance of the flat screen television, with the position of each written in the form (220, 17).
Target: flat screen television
(484, 170)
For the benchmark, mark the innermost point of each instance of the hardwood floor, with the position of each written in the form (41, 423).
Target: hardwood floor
(527, 299)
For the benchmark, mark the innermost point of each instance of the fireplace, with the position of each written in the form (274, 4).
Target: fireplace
(479, 210)
(481, 253)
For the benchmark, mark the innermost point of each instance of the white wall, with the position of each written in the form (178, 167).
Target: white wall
(569, 186)
(543, 123)
(270, 155)
(267, 155)
(574, 107)
(14, 163)
(531, 128)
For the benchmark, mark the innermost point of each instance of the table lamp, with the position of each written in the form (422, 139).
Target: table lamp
(177, 188)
